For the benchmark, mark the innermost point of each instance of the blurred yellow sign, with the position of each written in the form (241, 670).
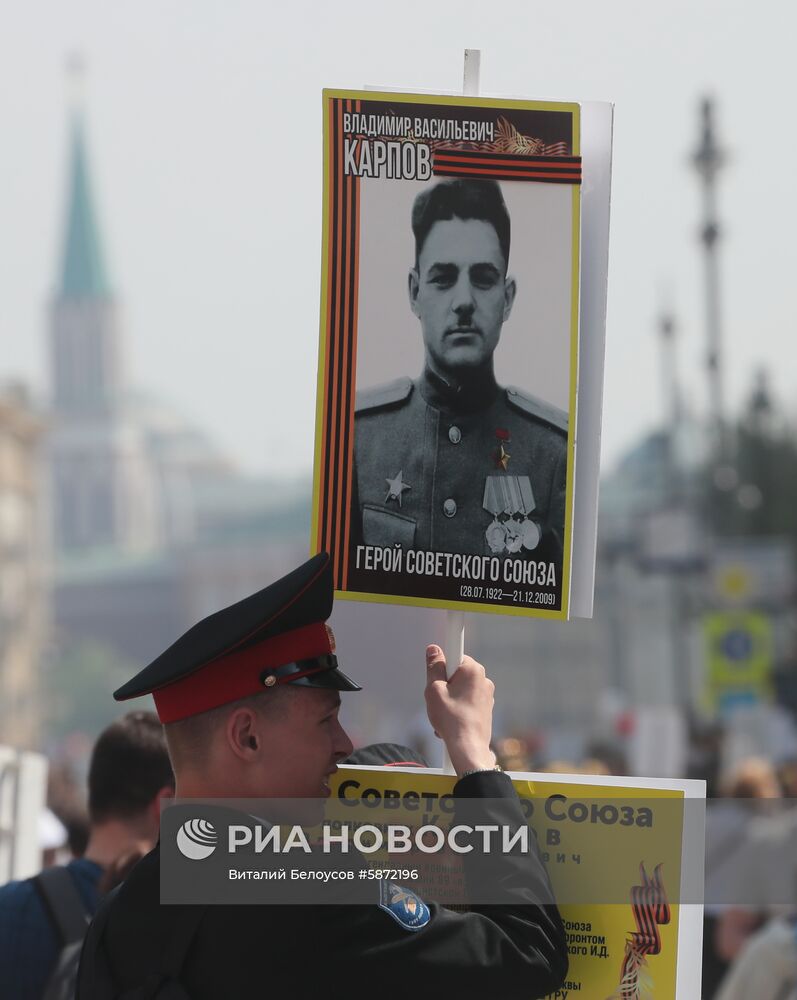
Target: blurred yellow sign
(734, 582)
(738, 656)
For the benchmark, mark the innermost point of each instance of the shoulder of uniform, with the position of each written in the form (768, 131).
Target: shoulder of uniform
(537, 408)
(387, 394)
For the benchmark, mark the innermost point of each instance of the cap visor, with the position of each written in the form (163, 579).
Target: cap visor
(335, 680)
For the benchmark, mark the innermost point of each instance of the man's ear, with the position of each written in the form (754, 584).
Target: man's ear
(154, 807)
(413, 285)
(510, 290)
(167, 792)
(242, 735)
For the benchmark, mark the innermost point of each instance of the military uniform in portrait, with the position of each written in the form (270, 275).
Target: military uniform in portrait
(480, 470)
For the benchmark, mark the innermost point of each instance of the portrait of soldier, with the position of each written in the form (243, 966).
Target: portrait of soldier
(451, 461)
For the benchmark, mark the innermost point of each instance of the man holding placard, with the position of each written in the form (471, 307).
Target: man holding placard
(250, 700)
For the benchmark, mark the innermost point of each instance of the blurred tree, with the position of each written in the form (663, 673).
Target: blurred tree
(81, 679)
(755, 493)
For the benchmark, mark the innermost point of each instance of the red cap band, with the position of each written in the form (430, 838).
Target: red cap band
(238, 674)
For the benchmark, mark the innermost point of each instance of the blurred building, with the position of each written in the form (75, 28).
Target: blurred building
(123, 465)
(103, 482)
(153, 527)
(23, 601)
(138, 606)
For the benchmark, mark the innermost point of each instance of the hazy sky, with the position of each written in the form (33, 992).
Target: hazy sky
(205, 139)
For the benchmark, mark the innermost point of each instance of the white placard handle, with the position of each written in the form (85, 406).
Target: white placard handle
(453, 649)
(470, 80)
(454, 645)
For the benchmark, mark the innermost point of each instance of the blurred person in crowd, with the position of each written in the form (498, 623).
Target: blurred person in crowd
(606, 754)
(705, 751)
(53, 837)
(590, 765)
(115, 873)
(558, 766)
(385, 755)
(250, 698)
(746, 787)
(66, 797)
(751, 778)
(128, 775)
(513, 754)
(787, 776)
(593, 765)
(766, 966)
(78, 831)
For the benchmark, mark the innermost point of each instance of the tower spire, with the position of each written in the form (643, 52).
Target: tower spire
(85, 352)
(83, 271)
(104, 492)
(708, 159)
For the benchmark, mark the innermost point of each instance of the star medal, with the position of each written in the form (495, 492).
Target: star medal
(496, 532)
(502, 456)
(395, 487)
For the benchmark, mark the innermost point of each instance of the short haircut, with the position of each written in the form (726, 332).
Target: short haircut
(129, 766)
(189, 740)
(461, 198)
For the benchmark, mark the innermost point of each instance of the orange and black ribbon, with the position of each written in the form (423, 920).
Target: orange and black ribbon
(651, 910)
(506, 166)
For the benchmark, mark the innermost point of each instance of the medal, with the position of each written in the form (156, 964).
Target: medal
(494, 503)
(496, 536)
(395, 487)
(511, 495)
(530, 534)
(529, 530)
(514, 535)
(526, 504)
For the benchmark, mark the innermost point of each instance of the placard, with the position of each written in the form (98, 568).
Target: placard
(449, 351)
(624, 856)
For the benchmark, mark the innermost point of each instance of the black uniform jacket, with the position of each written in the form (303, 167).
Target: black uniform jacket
(352, 951)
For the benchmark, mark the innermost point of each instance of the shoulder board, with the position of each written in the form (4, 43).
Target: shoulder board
(387, 394)
(538, 408)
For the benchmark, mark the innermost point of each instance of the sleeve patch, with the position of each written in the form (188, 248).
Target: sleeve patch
(407, 909)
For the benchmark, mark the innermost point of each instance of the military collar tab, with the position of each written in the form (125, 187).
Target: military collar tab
(471, 395)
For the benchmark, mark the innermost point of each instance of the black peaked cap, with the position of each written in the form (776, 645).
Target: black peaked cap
(300, 598)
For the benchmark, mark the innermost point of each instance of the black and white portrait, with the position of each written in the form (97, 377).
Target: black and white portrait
(455, 453)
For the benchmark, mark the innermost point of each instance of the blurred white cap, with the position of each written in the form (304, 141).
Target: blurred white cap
(52, 832)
